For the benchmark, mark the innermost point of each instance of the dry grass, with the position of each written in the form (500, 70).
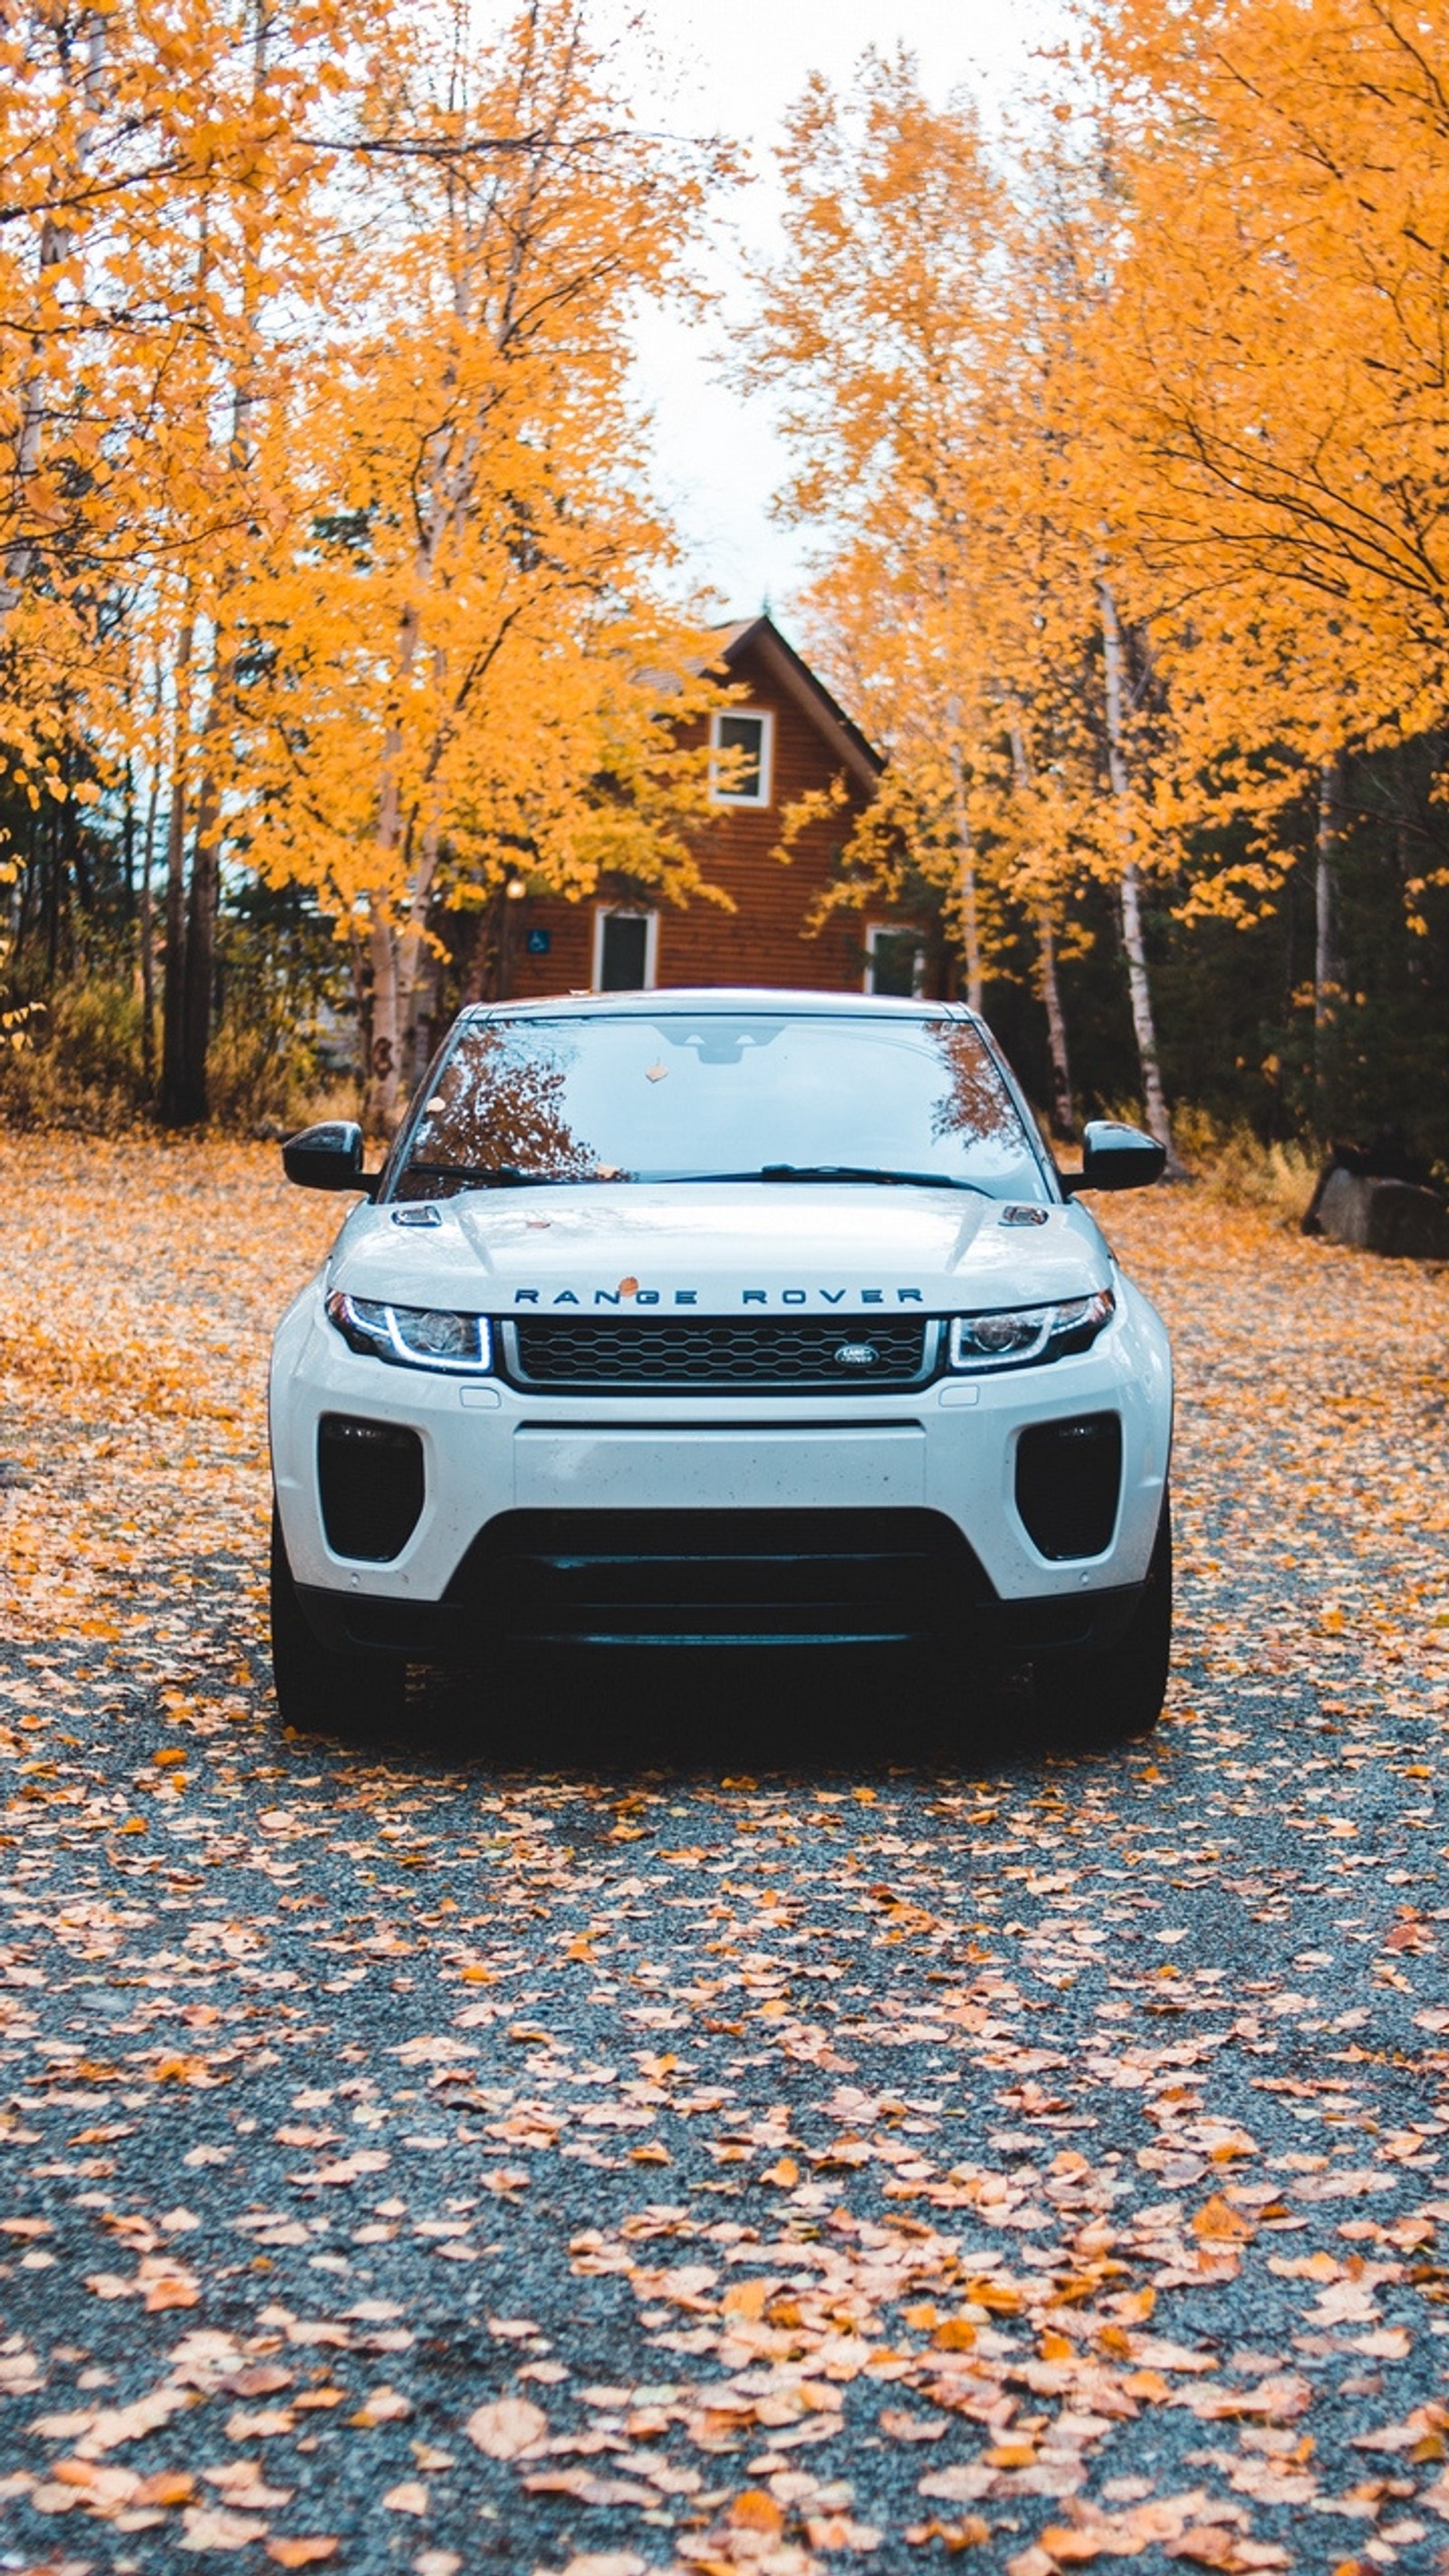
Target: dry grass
(1233, 1165)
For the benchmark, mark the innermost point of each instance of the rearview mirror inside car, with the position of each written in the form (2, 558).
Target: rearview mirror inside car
(1115, 1158)
(328, 1157)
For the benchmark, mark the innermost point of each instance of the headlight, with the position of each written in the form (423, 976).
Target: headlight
(1028, 1333)
(413, 1336)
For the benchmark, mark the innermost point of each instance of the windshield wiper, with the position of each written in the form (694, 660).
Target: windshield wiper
(865, 1172)
(508, 1176)
(495, 1176)
(826, 1172)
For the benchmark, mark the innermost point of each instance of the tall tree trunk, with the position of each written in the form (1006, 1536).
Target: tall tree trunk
(199, 968)
(1063, 1112)
(145, 933)
(173, 1005)
(966, 879)
(414, 960)
(56, 244)
(199, 964)
(1134, 945)
(380, 1105)
(384, 1054)
(1325, 962)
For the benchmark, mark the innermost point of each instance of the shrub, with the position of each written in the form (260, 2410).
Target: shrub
(79, 1065)
(1231, 1163)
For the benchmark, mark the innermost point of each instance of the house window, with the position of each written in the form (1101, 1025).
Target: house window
(895, 962)
(749, 738)
(626, 947)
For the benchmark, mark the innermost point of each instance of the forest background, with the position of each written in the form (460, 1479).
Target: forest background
(335, 598)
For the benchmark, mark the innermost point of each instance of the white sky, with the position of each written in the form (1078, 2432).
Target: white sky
(736, 66)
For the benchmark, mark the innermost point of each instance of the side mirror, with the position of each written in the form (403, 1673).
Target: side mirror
(328, 1157)
(1115, 1158)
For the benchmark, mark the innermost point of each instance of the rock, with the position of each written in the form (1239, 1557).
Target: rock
(1391, 1217)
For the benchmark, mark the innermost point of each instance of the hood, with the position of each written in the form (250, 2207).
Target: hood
(720, 1250)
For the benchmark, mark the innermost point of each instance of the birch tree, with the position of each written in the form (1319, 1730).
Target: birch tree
(461, 670)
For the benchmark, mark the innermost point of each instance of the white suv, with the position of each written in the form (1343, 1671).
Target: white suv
(721, 1320)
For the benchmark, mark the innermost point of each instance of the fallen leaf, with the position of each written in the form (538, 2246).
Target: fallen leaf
(607, 2562)
(956, 2334)
(746, 2299)
(754, 2510)
(969, 2533)
(1218, 2222)
(901, 2427)
(212, 2527)
(166, 2487)
(506, 2426)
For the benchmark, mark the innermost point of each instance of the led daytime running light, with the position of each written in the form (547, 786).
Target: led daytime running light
(424, 1337)
(1020, 1335)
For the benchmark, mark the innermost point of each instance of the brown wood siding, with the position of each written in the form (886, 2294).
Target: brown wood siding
(763, 940)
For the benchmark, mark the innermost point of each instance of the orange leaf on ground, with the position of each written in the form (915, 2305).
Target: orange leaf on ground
(957, 2335)
(174, 2291)
(902, 2427)
(756, 2511)
(506, 2426)
(955, 2536)
(1218, 2222)
(746, 2299)
(166, 2486)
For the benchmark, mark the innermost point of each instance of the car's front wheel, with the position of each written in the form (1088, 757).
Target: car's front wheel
(317, 1689)
(1116, 1694)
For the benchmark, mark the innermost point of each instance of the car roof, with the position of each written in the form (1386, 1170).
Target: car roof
(718, 998)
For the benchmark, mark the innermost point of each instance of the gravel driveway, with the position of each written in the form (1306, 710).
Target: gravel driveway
(650, 2123)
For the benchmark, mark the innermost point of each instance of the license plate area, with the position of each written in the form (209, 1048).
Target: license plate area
(695, 1467)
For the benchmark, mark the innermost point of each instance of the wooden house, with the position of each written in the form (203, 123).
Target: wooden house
(787, 736)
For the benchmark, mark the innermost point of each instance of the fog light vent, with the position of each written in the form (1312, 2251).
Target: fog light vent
(370, 1478)
(1068, 1480)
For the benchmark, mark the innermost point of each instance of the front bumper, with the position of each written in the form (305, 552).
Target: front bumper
(692, 1520)
(538, 1580)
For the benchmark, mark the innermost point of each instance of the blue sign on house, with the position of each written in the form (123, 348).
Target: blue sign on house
(539, 942)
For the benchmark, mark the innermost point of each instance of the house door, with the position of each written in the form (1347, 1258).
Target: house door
(624, 951)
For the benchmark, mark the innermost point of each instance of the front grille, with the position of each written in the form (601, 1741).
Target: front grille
(727, 1352)
(732, 1578)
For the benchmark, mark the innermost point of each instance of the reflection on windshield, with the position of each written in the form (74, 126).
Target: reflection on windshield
(709, 1094)
(975, 1106)
(500, 1105)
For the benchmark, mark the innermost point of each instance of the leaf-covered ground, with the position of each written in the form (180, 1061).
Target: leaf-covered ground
(631, 2129)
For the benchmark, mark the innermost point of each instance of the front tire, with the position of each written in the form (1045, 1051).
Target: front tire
(1116, 1695)
(318, 1691)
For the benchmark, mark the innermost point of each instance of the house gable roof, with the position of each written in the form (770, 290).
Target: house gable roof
(761, 637)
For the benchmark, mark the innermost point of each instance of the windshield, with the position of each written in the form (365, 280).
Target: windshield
(682, 1096)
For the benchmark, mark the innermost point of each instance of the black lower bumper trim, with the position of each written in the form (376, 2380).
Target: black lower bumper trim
(434, 1632)
(705, 1581)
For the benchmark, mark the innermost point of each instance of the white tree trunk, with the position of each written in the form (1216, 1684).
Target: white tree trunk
(380, 1108)
(384, 1057)
(1063, 1114)
(966, 878)
(1064, 1118)
(1154, 1098)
